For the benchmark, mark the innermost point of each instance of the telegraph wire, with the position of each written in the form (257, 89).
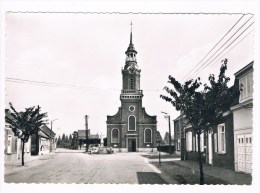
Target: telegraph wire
(205, 63)
(214, 46)
(233, 47)
(228, 45)
(42, 83)
(58, 85)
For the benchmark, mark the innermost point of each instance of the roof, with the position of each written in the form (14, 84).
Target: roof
(8, 114)
(47, 131)
(42, 134)
(82, 135)
(244, 69)
(131, 47)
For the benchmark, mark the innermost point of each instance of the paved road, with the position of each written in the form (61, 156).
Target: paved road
(69, 167)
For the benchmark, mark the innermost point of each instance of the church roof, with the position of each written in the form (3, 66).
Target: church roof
(131, 47)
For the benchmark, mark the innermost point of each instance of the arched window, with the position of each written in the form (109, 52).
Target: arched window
(132, 83)
(148, 135)
(114, 135)
(131, 123)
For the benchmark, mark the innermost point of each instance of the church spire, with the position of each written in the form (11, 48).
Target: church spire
(131, 48)
(131, 34)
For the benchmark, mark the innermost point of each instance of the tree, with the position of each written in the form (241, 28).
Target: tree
(25, 123)
(202, 107)
(158, 137)
(59, 141)
(166, 138)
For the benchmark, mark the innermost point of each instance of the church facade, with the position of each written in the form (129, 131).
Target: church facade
(131, 129)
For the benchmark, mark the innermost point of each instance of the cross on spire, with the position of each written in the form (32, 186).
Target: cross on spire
(131, 25)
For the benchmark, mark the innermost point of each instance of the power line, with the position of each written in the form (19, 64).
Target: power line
(205, 63)
(58, 85)
(214, 46)
(237, 44)
(50, 84)
(228, 46)
(220, 48)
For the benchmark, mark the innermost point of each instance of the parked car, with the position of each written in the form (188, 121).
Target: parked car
(93, 150)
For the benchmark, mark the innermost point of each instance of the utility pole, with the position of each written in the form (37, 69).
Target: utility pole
(170, 135)
(51, 141)
(86, 124)
(170, 138)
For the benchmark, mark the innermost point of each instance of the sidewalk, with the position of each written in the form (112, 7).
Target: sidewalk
(13, 165)
(230, 176)
(187, 172)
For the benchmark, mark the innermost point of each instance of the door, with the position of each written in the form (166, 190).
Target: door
(210, 147)
(131, 145)
(9, 144)
(241, 153)
(244, 153)
(248, 153)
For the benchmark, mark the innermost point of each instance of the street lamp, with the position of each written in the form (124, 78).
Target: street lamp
(87, 130)
(51, 134)
(170, 138)
(100, 139)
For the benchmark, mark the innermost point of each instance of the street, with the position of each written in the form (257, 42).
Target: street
(78, 167)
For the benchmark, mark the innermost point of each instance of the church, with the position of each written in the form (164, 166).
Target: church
(131, 129)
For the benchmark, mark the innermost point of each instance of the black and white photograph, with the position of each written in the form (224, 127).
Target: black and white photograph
(107, 95)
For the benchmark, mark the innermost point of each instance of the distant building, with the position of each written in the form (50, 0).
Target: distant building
(93, 139)
(243, 120)
(131, 128)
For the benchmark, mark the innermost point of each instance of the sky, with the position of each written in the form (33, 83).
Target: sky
(78, 57)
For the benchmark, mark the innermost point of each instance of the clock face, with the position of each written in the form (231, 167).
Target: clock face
(131, 69)
(132, 108)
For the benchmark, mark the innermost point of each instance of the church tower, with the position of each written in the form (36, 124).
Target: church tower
(131, 129)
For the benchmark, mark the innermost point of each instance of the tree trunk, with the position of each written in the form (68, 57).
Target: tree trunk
(37, 142)
(22, 152)
(200, 163)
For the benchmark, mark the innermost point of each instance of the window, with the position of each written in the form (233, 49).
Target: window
(246, 86)
(179, 145)
(194, 144)
(221, 139)
(115, 135)
(201, 142)
(215, 143)
(132, 83)
(131, 123)
(148, 135)
(189, 141)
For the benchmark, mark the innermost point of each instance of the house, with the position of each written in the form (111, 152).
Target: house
(13, 145)
(131, 129)
(177, 134)
(217, 142)
(43, 142)
(227, 144)
(243, 120)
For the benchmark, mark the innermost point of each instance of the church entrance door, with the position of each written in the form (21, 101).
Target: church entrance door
(131, 145)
